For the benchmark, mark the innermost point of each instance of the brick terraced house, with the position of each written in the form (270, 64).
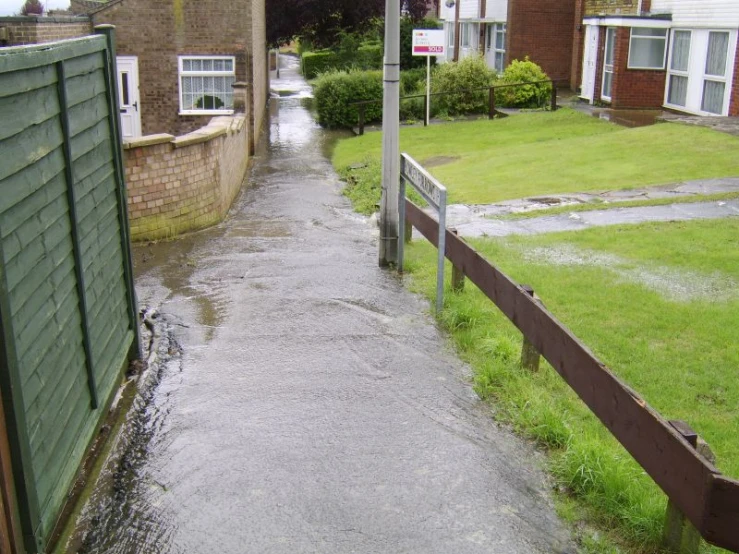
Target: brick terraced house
(506, 30)
(678, 54)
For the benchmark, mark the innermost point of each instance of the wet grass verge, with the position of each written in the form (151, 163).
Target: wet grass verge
(539, 153)
(658, 303)
(615, 204)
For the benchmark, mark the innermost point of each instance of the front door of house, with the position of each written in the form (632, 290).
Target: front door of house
(589, 63)
(128, 96)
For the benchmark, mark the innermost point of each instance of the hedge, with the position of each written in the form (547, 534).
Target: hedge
(334, 91)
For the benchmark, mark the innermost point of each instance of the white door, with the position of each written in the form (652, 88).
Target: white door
(128, 96)
(590, 59)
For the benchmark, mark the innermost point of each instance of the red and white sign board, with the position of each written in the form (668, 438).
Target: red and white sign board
(428, 42)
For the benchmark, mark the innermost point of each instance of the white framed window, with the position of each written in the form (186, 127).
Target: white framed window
(495, 45)
(677, 82)
(647, 48)
(714, 79)
(608, 64)
(206, 84)
(450, 42)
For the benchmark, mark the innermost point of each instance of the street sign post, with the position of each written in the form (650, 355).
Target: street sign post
(428, 42)
(434, 193)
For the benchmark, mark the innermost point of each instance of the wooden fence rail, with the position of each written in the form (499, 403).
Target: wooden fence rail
(708, 499)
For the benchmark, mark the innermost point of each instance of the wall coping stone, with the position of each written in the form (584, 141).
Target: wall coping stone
(45, 19)
(147, 140)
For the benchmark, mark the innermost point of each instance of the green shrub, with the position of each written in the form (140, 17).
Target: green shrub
(368, 56)
(334, 91)
(315, 63)
(526, 96)
(470, 74)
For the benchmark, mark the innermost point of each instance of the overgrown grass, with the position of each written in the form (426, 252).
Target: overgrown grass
(590, 206)
(658, 303)
(553, 152)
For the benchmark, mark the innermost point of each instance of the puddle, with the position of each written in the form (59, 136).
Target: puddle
(629, 118)
(260, 228)
(672, 284)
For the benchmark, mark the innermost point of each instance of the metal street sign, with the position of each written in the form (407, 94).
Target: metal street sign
(435, 194)
(428, 42)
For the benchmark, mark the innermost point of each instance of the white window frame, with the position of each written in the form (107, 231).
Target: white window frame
(181, 73)
(641, 38)
(611, 33)
(450, 42)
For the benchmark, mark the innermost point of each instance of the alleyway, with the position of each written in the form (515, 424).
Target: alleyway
(310, 404)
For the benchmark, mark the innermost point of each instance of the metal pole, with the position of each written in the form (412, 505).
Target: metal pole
(390, 137)
(442, 254)
(428, 89)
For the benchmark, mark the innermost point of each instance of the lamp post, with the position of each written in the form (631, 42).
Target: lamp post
(390, 137)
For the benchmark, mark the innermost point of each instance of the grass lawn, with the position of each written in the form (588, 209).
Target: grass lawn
(545, 153)
(659, 304)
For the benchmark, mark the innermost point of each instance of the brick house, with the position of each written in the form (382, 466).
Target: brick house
(177, 59)
(506, 30)
(677, 54)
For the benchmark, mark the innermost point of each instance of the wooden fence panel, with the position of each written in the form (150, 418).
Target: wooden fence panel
(66, 296)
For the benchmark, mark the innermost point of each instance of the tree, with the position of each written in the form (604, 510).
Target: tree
(320, 22)
(32, 7)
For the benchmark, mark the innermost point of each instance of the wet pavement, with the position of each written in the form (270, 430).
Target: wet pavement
(304, 400)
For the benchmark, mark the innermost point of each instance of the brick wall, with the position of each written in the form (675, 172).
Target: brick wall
(634, 88)
(611, 7)
(38, 29)
(158, 32)
(185, 183)
(578, 46)
(734, 101)
(543, 31)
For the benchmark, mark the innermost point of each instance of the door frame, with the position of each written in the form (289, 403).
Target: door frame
(610, 32)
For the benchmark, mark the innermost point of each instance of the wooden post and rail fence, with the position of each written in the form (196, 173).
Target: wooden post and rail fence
(702, 501)
(492, 111)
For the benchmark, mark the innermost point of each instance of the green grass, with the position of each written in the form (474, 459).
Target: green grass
(612, 205)
(658, 303)
(546, 153)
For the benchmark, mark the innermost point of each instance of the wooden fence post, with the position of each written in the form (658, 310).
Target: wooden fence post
(457, 273)
(361, 119)
(530, 356)
(679, 536)
(491, 103)
(408, 232)
(554, 97)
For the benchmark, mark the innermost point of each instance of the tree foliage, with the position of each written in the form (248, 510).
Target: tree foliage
(32, 7)
(319, 22)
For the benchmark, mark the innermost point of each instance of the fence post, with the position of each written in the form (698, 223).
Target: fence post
(408, 231)
(457, 273)
(425, 109)
(679, 536)
(361, 119)
(530, 356)
(491, 103)
(554, 97)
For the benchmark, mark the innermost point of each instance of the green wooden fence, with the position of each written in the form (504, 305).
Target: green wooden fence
(67, 305)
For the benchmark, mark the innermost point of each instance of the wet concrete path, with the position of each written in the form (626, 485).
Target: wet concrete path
(309, 403)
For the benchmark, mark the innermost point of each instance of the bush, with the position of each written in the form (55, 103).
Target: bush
(470, 74)
(315, 63)
(526, 96)
(334, 91)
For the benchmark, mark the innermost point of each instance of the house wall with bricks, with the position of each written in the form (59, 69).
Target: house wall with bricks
(159, 32)
(634, 88)
(611, 7)
(179, 184)
(32, 29)
(543, 31)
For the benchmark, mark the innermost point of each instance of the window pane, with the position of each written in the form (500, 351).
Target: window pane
(229, 65)
(499, 62)
(718, 45)
(607, 84)
(500, 38)
(610, 36)
(647, 52)
(680, 51)
(678, 93)
(635, 31)
(186, 65)
(713, 97)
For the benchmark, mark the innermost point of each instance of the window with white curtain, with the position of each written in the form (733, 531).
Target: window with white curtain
(677, 92)
(714, 84)
(206, 84)
(500, 31)
(647, 48)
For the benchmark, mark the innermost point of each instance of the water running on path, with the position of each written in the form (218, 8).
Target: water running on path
(309, 403)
